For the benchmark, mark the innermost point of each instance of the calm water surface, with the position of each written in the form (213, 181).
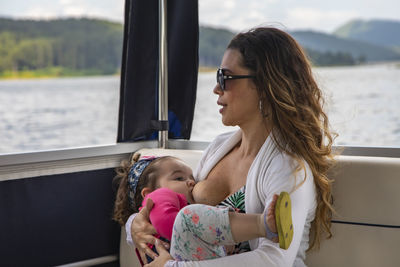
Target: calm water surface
(363, 104)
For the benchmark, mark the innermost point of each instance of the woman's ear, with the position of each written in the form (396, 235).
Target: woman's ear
(145, 191)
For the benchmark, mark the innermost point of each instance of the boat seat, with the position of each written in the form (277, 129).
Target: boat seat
(367, 201)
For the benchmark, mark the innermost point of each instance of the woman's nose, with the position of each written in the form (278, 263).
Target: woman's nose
(217, 89)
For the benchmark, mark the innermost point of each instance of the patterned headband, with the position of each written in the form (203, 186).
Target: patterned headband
(134, 175)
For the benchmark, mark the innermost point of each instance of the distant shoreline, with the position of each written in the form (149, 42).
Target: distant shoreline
(48, 73)
(42, 74)
(57, 73)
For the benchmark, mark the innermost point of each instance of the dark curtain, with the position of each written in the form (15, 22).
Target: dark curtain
(58, 219)
(139, 76)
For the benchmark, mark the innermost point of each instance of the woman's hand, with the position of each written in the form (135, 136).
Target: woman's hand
(162, 258)
(142, 232)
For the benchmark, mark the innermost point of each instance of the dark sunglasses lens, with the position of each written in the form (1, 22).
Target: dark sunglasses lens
(220, 79)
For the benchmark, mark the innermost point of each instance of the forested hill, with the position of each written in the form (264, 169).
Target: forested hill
(212, 45)
(93, 46)
(358, 50)
(380, 32)
(85, 46)
(323, 49)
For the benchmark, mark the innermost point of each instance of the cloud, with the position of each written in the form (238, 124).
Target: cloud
(49, 9)
(75, 11)
(65, 2)
(39, 13)
(311, 18)
(236, 15)
(291, 14)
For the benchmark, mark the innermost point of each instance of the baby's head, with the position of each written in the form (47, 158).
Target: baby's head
(151, 173)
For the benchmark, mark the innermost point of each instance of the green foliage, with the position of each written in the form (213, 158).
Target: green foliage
(323, 49)
(47, 72)
(332, 58)
(212, 45)
(65, 47)
(71, 46)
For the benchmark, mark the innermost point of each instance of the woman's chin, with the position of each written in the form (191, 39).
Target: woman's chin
(225, 121)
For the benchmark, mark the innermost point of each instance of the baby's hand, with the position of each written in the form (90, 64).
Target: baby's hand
(229, 249)
(269, 220)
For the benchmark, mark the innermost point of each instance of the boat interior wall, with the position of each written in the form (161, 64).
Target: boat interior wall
(366, 227)
(138, 116)
(55, 206)
(58, 219)
(37, 164)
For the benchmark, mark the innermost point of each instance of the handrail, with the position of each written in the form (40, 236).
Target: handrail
(162, 72)
(73, 153)
(124, 148)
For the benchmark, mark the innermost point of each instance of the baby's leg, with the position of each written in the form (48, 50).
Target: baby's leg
(199, 233)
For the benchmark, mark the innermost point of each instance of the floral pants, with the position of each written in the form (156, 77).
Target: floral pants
(200, 232)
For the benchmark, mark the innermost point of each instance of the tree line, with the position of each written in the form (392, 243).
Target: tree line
(83, 45)
(213, 43)
(93, 46)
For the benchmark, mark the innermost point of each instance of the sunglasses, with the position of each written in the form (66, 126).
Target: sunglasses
(221, 77)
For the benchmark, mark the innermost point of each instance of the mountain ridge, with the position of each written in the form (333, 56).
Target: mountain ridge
(94, 46)
(376, 31)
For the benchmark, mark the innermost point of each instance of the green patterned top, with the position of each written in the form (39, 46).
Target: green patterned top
(235, 202)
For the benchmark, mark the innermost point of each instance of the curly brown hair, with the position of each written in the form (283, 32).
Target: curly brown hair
(293, 103)
(122, 206)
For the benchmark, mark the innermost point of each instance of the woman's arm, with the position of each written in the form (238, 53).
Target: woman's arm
(161, 208)
(142, 231)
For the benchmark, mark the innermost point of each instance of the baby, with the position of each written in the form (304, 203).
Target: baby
(196, 231)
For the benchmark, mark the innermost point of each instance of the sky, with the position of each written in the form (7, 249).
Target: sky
(236, 15)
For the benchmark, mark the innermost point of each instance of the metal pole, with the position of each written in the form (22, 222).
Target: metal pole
(162, 72)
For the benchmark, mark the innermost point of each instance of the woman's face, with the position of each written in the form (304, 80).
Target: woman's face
(177, 176)
(239, 101)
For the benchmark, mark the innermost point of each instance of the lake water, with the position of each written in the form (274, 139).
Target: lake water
(363, 103)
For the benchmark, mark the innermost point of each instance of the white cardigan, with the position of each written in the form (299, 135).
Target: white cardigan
(271, 172)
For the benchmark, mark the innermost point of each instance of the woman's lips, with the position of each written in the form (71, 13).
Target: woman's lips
(223, 106)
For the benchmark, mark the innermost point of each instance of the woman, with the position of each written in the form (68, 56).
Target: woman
(264, 86)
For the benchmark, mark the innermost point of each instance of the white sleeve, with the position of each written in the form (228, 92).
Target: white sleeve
(128, 225)
(173, 263)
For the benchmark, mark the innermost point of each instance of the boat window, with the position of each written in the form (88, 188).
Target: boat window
(356, 61)
(59, 73)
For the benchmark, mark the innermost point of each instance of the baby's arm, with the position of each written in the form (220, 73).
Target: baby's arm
(166, 206)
